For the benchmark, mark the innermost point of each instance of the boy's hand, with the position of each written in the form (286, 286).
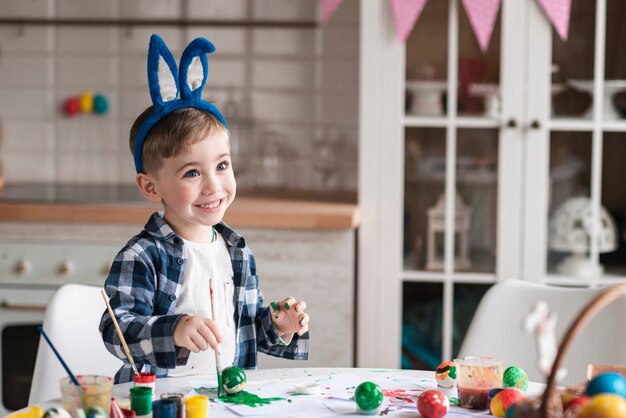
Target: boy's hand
(196, 333)
(289, 317)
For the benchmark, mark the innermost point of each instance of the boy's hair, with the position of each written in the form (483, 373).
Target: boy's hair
(173, 134)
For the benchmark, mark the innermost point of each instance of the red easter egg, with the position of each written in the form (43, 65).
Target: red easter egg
(577, 403)
(433, 404)
(71, 106)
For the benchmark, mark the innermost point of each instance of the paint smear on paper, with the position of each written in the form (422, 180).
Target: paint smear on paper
(249, 399)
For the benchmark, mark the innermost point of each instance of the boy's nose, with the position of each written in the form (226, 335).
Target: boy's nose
(210, 185)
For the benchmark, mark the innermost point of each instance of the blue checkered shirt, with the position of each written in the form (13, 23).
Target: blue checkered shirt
(143, 285)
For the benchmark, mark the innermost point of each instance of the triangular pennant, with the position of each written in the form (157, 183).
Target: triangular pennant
(405, 14)
(328, 9)
(558, 12)
(482, 15)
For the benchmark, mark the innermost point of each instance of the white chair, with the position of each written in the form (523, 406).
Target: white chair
(496, 328)
(71, 322)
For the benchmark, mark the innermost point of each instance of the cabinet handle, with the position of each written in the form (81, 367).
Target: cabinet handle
(535, 124)
(511, 123)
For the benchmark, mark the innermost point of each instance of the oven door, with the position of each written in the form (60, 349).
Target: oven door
(21, 311)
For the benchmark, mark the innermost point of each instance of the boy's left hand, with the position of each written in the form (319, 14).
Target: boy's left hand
(289, 317)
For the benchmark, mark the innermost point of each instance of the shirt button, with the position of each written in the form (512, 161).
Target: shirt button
(172, 298)
(179, 261)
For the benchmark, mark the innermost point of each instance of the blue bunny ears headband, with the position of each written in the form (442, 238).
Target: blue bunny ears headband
(166, 81)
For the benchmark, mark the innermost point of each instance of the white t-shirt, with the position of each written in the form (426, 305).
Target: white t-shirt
(206, 261)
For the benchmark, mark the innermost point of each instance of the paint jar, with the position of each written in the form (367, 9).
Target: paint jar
(179, 398)
(141, 400)
(93, 391)
(476, 376)
(147, 379)
(197, 406)
(164, 408)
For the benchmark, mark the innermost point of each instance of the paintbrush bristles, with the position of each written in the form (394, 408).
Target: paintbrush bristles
(119, 333)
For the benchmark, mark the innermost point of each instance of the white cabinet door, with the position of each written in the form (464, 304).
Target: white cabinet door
(441, 175)
(575, 146)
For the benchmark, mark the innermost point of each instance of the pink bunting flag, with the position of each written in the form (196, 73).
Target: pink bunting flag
(482, 15)
(405, 14)
(328, 8)
(558, 12)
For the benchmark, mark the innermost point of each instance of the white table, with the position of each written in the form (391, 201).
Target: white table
(409, 382)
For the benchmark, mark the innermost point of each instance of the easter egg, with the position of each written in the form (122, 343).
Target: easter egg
(607, 383)
(433, 404)
(368, 397)
(56, 412)
(492, 392)
(71, 106)
(95, 412)
(515, 377)
(605, 406)
(446, 375)
(86, 102)
(233, 380)
(100, 104)
(503, 400)
(575, 406)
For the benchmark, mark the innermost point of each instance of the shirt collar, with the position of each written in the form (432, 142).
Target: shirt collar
(158, 228)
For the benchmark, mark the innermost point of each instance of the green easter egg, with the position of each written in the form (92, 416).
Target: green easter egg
(100, 104)
(233, 380)
(515, 377)
(368, 396)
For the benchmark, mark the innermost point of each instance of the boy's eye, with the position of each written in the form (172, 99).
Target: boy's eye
(192, 173)
(223, 165)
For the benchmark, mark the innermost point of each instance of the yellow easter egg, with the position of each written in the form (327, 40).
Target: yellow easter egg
(605, 406)
(86, 102)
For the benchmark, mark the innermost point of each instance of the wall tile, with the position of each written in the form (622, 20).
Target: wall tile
(148, 9)
(90, 40)
(27, 40)
(217, 9)
(28, 167)
(28, 71)
(226, 40)
(284, 10)
(135, 40)
(78, 168)
(26, 105)
(86, 72)
(96, 9)
(339, 109)
(27, 137)
(338, 75)
(281, 107)
(225, 73)
(340, 42)
(87, 135)
(282, 41)
(31, 8)
(282, 74)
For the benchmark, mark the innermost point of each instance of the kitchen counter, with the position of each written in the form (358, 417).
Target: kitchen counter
(125, 205)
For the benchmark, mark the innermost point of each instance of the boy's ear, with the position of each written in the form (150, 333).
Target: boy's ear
(147, 186)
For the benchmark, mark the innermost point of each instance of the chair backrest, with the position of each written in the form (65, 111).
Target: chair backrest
(496, 328)
(71, 322)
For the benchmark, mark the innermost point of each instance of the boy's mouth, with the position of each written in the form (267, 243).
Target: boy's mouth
(211, 206)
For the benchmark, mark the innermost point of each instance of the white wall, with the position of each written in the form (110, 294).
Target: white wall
(295, 82)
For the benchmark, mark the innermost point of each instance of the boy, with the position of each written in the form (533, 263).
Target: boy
(159, 282)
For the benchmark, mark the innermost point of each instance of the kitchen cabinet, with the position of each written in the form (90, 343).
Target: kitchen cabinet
(466, 158)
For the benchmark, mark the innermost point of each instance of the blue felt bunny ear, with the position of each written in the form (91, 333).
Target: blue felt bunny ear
(194, 68)
(164, 83)
(162, 72)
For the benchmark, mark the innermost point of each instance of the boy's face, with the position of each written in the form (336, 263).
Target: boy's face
(195, 187)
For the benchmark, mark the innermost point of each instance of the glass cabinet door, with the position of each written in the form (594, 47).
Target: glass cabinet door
(580, 222)
(452, 150)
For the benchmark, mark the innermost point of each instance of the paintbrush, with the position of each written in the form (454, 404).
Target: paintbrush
(119, 333)
(218, 365)
(56, 353)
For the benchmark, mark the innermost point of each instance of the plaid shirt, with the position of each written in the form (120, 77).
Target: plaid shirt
(143, 285)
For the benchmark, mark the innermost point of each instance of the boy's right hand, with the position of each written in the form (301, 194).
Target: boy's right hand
(196, 333)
